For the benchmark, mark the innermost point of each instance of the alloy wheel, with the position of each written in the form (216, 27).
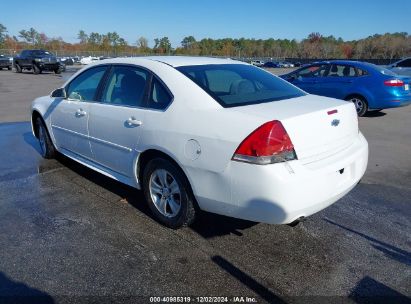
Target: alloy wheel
(165, 193)
(359, 104)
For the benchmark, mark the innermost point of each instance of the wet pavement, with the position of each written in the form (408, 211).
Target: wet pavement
(68, 234)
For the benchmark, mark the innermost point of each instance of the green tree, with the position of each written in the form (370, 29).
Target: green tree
(162, 46)
(82, 36)
(30, 35)
(3, 31)
(142, 44)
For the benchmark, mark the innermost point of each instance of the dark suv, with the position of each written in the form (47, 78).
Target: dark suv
(36, 60)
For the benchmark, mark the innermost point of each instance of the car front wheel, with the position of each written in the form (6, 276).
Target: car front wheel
(168, 193)
(360, 104)
(36, 69)
(47, 149)
(18, 68)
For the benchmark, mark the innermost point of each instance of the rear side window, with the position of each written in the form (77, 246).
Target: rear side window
(234, 85)
(84, 86)
(125, 86)
(361, 72)
(159, 98)
(339, 70)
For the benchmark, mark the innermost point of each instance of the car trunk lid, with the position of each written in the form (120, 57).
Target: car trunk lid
(318, 126)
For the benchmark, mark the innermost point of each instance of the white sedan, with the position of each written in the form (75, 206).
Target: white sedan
(205, 134)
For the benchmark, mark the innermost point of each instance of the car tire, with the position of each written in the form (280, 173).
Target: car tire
(360, 103)
(57, 71)
(18, 68)
(36, 69)
(168, 193)
(47, 149)
(9, 68)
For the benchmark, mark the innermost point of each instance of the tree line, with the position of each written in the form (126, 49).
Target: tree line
(314, 46)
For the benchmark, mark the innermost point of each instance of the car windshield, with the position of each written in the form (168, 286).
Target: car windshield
(41, 53)
(234, 85)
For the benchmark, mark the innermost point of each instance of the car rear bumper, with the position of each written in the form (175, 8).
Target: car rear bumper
(394, 102)
(281, 193)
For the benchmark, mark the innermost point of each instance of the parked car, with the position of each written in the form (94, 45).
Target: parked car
(258, 63)
(401, 67)
(37, 61)
(288, 64)
(5, 62)
(88, 60)
(270, 64)
(205, 133)
(368, 86)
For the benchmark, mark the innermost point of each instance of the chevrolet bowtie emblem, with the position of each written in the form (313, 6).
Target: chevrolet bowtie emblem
(335, 122)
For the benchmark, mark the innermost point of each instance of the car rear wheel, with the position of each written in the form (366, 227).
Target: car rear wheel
(360, 104)
(36, 69)
(168, 193)
(18, 68)
(47, 149)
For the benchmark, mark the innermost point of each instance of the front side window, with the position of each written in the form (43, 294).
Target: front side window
(318, 70)
(84, 86)
(239, 84)
(125, 86)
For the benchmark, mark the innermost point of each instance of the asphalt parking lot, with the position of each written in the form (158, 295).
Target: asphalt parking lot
(68, 234)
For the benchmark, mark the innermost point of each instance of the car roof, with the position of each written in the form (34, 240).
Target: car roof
(351, 62)
(176, 61)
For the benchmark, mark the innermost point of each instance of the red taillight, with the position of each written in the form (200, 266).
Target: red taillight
(268, 144)
(394, 83)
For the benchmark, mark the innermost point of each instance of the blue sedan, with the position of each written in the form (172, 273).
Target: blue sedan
(369, 86)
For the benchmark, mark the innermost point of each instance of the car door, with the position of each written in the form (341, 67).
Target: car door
(117, 120)
(69, 118)
(309, 77)
(338, 82)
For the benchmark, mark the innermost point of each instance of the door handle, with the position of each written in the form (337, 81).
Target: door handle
(80, 113)
(133, 122)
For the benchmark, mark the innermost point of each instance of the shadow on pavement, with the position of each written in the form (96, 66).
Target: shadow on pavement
(17, 292)
(374, 114)
(247, 280)
(392, 252)
(209, 225)
(369, 290)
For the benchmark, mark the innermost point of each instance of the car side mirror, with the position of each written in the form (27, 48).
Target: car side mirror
(59, 93)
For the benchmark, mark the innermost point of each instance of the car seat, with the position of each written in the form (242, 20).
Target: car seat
(242, 86)
(130, 91)
(346, 71)
(334, 71)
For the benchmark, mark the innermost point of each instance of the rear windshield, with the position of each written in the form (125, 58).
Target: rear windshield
(234, 85)
(384, 71)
